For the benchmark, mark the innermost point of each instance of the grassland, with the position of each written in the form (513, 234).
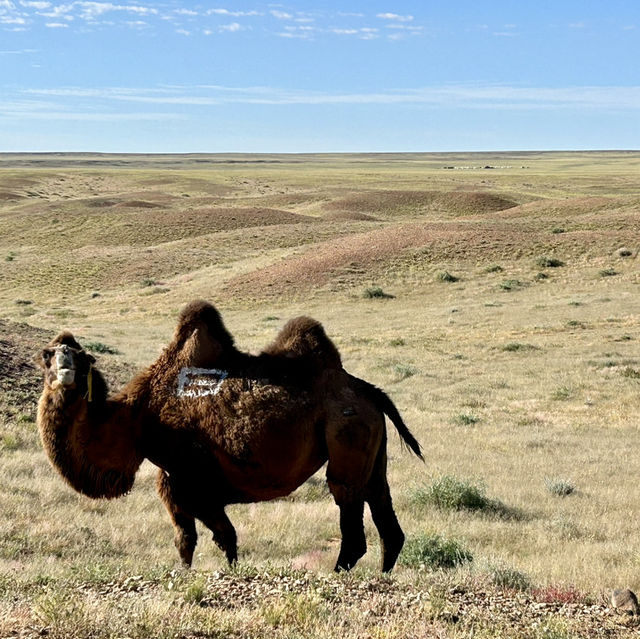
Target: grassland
(499, 307)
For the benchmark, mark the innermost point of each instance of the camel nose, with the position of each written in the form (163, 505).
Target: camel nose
(63, 357)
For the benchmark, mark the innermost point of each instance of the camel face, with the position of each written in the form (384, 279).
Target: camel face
(63, 359)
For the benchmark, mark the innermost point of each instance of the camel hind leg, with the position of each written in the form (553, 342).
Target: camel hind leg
(224, 534)
(378, 497)
(352, 441)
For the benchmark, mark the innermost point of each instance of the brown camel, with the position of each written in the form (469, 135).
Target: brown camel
(226, 427)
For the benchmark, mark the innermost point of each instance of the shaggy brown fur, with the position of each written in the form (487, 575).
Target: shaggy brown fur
(227, 427)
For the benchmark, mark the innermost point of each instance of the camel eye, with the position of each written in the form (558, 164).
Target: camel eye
(47, 354)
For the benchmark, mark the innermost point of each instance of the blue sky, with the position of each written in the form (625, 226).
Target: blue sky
(305, 76)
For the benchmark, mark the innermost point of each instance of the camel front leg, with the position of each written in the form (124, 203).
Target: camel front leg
(186, 536)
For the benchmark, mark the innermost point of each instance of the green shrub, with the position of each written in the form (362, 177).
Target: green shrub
(511, 285)
(465, 419)
(631, 373)
(548, 262)
(445, 276)
(148, 281)
(515, 347)
(509, 578)
(403, 371)
(494, 268)
(99, 347)
(375, 292)
(433, 551)
(561, 394)
(608, 272)
(450, 493)
(557, 230)
(397, 341)
(559, 487)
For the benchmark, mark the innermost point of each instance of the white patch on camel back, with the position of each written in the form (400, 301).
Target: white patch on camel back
(200, 382)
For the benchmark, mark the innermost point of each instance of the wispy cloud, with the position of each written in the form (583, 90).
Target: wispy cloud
(281, 15)
(453, 96)
(233, 14)
(56, 25)
(231, 28)
(394, 16)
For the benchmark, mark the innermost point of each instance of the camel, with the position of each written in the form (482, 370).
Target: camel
(225, 427)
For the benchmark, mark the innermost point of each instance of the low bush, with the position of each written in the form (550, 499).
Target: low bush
(445, 276)
(99, 347)
(516, 347)
(450, 493)
(511, 285)
(465, 419)
(433, 551)
(559, 487)
(375, 292)
(509, 578)
(548, 262)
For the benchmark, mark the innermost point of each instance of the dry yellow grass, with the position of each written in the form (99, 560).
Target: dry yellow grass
(509, 378)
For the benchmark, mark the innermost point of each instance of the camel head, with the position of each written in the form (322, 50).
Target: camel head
(65, 362)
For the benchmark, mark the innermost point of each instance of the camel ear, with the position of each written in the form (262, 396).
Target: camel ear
(90, 358)
(44, 358)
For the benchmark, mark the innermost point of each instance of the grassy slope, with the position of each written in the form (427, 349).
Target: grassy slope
(507, 379)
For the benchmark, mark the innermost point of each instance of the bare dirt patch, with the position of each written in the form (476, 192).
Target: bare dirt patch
(453, 202)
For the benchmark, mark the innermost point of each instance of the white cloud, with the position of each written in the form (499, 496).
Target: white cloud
(186, 12)
(183, 32)
(577, 25)
(12, 20)
(281, 15)
(394, 16)
(36, 5)
(233, 27)
(233, 14)
(450, 96)
(56, 25)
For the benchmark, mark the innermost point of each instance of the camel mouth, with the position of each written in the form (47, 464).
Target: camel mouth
(66, 376)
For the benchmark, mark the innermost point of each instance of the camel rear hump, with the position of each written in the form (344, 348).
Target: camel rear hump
(306, 337)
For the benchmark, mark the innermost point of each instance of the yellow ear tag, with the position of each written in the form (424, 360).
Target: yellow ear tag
(90, 383)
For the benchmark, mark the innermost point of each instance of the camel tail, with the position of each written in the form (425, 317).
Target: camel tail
(384, 404)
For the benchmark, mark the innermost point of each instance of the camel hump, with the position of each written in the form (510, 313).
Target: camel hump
(203, 316)
(305, 337)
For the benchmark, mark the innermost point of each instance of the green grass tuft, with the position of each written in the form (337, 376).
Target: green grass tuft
(450, 493)
(376, 292)
(99, 347)
(445, 276)
(433, 551)
(559, 487)
(548, 262)
(465, 419)
(509, 578)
